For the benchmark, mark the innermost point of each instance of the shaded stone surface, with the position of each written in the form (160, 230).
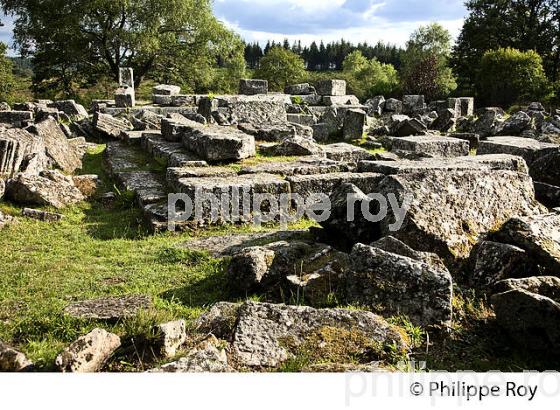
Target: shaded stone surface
(395, 284)
(529, 310)
(434, 146)
(253, 87)
(21, 151)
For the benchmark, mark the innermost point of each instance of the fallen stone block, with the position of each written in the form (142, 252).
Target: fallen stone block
(300, 89)
(164, 89)
(529, 310)
(472, 138)
(538, 235)
(393, 105)
(110, 126)
(296, 146)
(21, 151)
(125, 97)
(545, 168)
(307, 120)
(331, 87)
(48, 188)
(89, 353)
(213, 143)
(110, 308)
(413, 104)
(493, 262)
(335, 100)
(354, 125)
(41, 215)
(16, 118)
(70, 108)
(514, 125)
(253, 87)
(12, 360)
(346, 152)
(306, 185)
(262, 328)
(410, 127)
(375, 105)
(399, 285)
(434, 146)
(58, 148)
(304, 166)
(276, 132)
(548, 195)
(171, 336)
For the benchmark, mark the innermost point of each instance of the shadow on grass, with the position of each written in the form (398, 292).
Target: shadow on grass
(205, 291)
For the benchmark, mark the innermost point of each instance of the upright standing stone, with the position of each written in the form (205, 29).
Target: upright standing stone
(125, 96)
(126, 77)
(354, 124)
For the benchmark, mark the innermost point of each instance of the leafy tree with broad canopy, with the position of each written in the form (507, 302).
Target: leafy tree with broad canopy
(368, 77)
(426, 63)
(281, 67)
(77, 43)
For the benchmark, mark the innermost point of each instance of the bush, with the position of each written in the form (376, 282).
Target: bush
(368, 78)
(509, 76)
(281, 67)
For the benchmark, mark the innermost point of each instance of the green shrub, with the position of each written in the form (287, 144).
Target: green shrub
(368, 78)
(6, 75)
(509, 76)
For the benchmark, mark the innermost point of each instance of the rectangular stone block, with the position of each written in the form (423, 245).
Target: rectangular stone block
(330, 100)
(331, 87)
(306, 185)
(434, 146)
(164, 89)
(253, 87)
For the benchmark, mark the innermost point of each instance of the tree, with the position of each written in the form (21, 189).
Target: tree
(368, 78)
(76, 43)
(426, 58)
(509, 76)
(521, 24)
(281, 67)
(6, 75)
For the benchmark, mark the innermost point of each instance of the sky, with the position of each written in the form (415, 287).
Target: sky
(391, 21)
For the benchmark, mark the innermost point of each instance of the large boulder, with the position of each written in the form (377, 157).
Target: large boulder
(529, 310)
(447, 212)
(538, 235)
(395, 284)
(268, 335)
(514, 125)
(58, 147)
(48, 188)
(89, 353)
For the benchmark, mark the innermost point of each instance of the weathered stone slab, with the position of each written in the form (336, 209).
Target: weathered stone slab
(213, 143)
(16, 118)
(276, 132)
(125, 97)
(303, 166)
(110, 126)
(413, 104)
(346, 152)
(397, 285)
(335, 100)
(48, 188)
(538, 235)
(110, 308)
(21, 151)
(253, 87)
(255, 109)
(262, 329)
(175, 174)
(164, 89)
(529, 310)
(354, 125)
(494, 261)
(331, 87)
(432, 145)
(59, 150)
(147, 186)
(307, 120)
(306, 185)
(300, 89)
(70, 108)
(89, 353)
(527, 148)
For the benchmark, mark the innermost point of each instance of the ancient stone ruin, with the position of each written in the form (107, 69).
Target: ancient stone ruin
(480, 190)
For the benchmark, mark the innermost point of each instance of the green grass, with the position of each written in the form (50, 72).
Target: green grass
(97, 250)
